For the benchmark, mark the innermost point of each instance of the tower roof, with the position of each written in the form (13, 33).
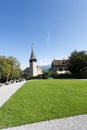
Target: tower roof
(32, 57)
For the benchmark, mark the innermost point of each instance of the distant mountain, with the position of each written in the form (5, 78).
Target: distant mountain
(45, 67)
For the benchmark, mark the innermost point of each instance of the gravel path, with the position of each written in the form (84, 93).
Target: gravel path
(70, 123)
(6, 91)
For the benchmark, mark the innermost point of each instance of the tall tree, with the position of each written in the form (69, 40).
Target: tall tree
(9, 68)
(15, 71)
(4, 68)
(77, 61)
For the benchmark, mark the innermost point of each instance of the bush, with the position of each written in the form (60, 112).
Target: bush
(3, 80)
(62, 76)
(45, 75)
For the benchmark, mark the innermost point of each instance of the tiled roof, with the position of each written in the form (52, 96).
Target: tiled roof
(59, 62)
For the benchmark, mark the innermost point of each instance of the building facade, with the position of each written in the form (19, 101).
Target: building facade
(34, 69)
(60, 66)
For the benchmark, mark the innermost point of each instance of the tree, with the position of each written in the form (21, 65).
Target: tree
(46, 74)
(4, 68)
(77, 61)
(9, 68)
(84, 72)
(15, 71)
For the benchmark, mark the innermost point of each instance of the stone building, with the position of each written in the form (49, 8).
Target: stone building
(60, 66)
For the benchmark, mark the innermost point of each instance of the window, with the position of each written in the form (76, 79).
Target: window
(66, 69)
(60, 69)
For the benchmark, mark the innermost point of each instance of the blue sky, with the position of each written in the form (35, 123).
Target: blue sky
(56, 27)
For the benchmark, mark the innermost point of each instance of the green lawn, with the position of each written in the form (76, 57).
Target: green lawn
(40, 100)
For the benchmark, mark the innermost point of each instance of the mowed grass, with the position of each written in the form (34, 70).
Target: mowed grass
(41, 100)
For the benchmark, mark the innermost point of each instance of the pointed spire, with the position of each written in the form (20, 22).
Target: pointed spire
(32, 57)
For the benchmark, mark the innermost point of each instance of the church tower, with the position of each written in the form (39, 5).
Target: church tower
(33, 65)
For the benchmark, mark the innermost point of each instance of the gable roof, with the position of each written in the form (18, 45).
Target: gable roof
(60, 62)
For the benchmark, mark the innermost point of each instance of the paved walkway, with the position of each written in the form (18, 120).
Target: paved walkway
(6, 91)
(71, 123)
